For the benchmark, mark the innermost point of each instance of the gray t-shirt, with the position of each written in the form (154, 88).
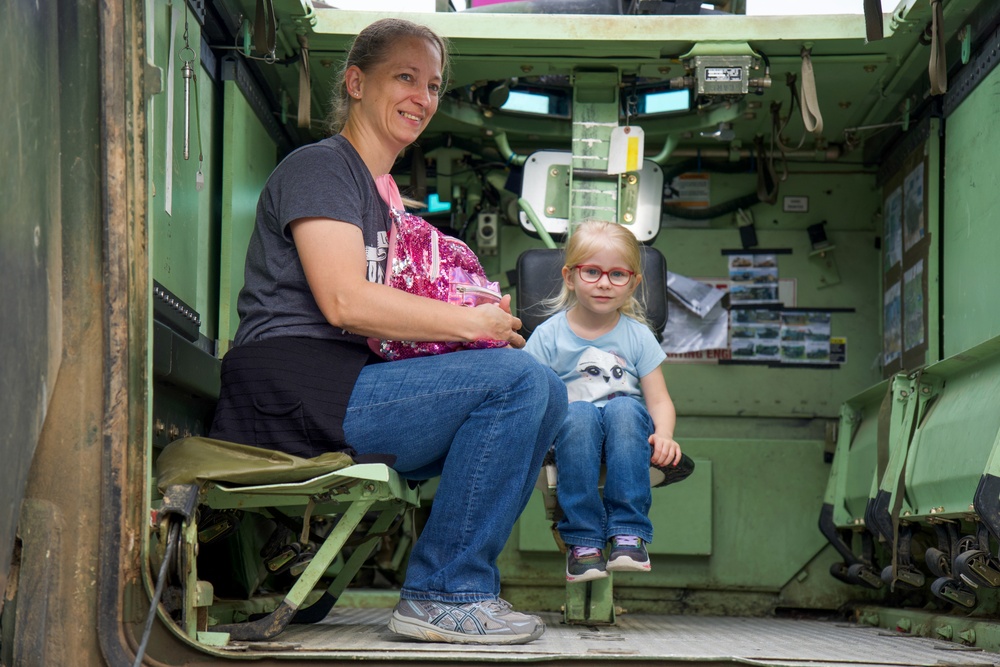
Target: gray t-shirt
(327, 179)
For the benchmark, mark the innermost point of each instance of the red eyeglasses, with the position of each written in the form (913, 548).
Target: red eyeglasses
(592, 274)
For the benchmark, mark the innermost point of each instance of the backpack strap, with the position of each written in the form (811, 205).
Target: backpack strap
(389, 192)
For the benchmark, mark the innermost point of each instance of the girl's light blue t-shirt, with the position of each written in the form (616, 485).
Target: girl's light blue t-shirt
(600, 369)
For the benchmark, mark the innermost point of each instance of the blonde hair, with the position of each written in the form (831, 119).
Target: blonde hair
(586, 239)
(371, 48)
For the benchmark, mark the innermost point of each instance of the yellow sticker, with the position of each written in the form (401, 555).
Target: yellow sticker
(625, 151)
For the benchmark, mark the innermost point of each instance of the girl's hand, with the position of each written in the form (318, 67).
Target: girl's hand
(666, 451)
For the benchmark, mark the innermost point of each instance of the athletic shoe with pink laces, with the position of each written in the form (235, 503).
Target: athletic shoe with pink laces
(628, 554)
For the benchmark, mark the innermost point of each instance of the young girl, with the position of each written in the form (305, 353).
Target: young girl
(620, 413)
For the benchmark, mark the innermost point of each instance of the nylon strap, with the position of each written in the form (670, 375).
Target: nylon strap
(812, 118)
(306, 518)
(897, 495)
(873, 20)
(305, 84)
(937, 68)
(264, 28)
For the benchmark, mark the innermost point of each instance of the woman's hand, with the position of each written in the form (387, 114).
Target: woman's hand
(498, 323)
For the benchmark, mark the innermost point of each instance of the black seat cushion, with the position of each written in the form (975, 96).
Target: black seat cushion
(539, 277)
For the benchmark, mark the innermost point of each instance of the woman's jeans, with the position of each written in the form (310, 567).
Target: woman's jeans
(616, 435)
(482, 420)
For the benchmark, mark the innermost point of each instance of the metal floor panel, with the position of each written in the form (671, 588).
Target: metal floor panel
(361, 634)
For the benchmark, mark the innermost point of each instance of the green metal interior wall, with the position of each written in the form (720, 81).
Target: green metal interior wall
(248, 157)
(970, 237)
(184, 233)
(200, 226)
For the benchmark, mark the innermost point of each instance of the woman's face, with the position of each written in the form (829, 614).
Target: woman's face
(397, 97)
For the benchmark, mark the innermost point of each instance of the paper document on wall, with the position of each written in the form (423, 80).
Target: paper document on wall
(694, 295)
(687, 332)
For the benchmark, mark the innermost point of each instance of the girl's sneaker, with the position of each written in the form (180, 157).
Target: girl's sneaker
(584, 564)
(628, 554)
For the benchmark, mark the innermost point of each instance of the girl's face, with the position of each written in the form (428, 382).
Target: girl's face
(397, 97)
(601, 297)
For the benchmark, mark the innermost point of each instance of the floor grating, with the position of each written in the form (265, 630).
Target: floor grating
(361, 634)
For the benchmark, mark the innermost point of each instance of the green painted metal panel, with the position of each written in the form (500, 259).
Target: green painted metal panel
(248, 157)
(595, 114)
(765, 493)
(768, 494)
(971, 199)
(588, 34)
(681, 516)
(183, 225)
(860, 462)
(951, 448)
(557, 192)
(533, 529)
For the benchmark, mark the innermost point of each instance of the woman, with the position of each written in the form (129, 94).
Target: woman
(301, 379)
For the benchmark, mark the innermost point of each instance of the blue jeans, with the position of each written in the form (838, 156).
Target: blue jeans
(482, 420)
(617, 435)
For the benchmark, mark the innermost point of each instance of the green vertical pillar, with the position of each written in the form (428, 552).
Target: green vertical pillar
(590, 603)
(593, 194)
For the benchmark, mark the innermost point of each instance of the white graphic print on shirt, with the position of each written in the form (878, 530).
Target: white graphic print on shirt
(602, 375)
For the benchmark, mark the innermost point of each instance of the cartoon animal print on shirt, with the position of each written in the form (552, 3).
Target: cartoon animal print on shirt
(602, 375)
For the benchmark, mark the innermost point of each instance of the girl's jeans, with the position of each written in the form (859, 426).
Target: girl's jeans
(482, 420)
(616, 435)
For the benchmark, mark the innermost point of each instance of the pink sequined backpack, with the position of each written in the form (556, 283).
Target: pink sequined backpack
(424, 261)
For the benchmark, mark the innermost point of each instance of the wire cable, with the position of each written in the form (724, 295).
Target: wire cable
(173, 538)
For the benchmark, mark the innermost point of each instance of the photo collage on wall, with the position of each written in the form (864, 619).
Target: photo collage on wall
(753, 278)
(905, 248)
(805, 337)
(781, 336)
(756, 334)
(762, 327)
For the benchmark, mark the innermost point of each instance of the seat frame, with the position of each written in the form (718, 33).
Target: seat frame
(349, 493)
